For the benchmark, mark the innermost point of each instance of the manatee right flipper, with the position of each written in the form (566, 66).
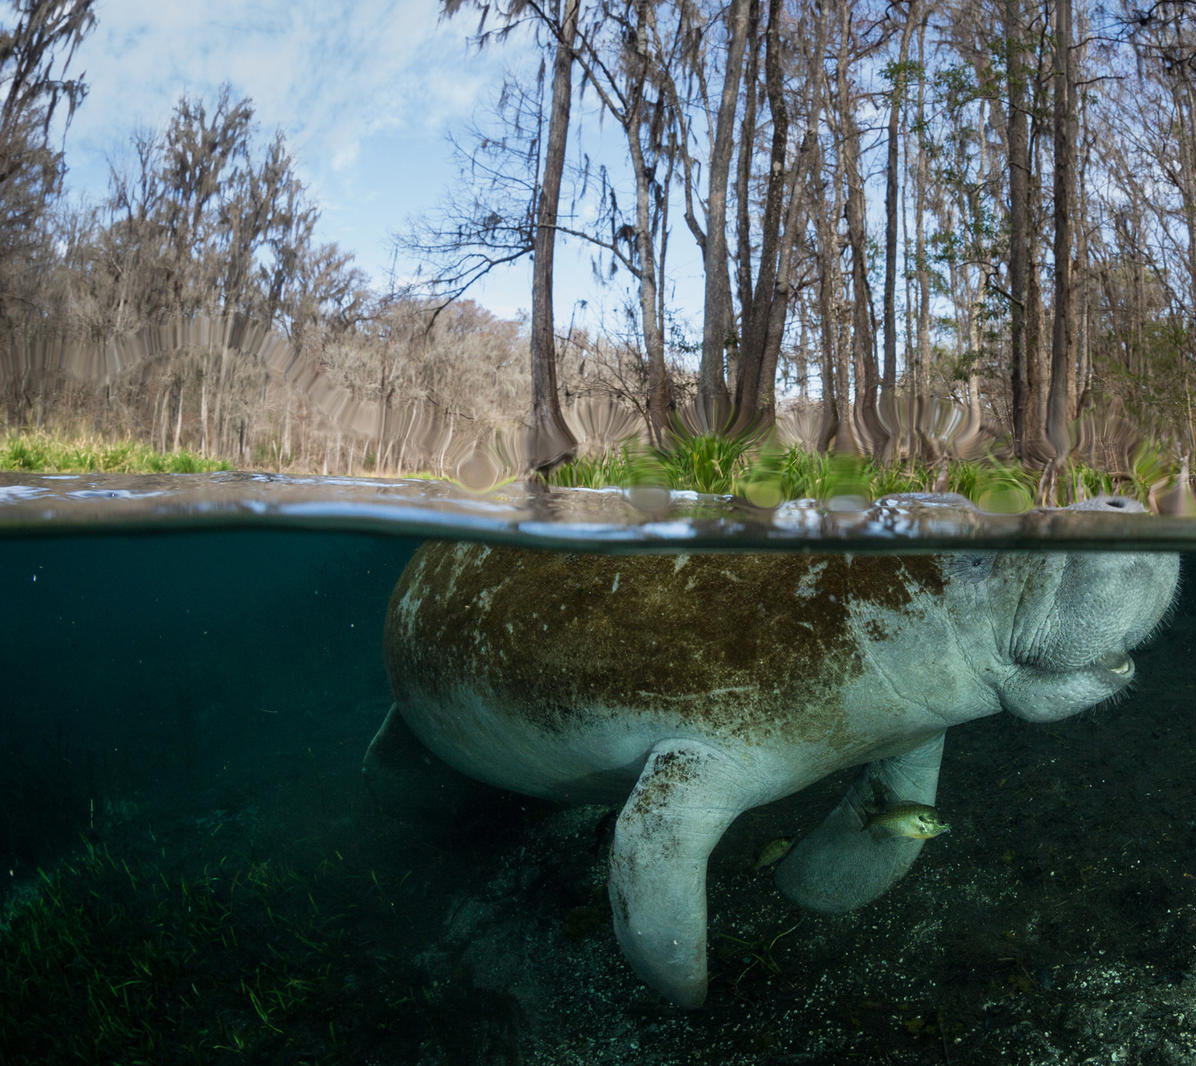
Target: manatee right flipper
(841, 865)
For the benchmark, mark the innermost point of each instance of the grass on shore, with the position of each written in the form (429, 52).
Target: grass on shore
(763, 473)
(768, 475)
(48, 453)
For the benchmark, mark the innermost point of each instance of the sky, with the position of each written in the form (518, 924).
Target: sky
(366, 92)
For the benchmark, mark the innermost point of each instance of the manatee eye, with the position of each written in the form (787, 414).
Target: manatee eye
(969, 566)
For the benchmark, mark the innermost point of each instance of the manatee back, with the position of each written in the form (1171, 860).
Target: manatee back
(728, 644)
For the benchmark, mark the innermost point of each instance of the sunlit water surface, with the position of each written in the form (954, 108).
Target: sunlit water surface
(191, 868)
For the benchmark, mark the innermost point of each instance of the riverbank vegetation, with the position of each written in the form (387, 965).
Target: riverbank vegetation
(768, 476)
(762, 472)
(46, 453)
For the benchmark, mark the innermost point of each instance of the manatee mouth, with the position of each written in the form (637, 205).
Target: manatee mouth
(1116, 667)
(1116, 662)
(1111, 673)
(1042, 695)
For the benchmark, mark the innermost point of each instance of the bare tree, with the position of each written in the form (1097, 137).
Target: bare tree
(634, 76)
(916, 373)
(1063, 123)
(550, 441)
(765, 300)
(1018, 145)
(899, 74)
(466, 240)
(203, 226)
(37, 45)
(870, 430)
(716, 318)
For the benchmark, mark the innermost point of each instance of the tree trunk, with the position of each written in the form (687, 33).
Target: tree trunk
(203, 412)
(831, 421)
(918, 378)
(1036, 447)
(1019, 216)
(828, 277)
(1082, 376)
(660, 403)
(777, 311)
(660, 388)
(713, 401)
(1184, 97)
(754, 392)
(889, 370)
(806, 172)
(863, 334)
(972, 203)
(744, 185)
(1058, 413)
(178, 422)
(549, 440)
(286, 424)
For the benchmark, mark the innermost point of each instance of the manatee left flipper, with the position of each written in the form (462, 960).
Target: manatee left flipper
(392, 737)
(686, 796)
(838, 866)
(391, 748)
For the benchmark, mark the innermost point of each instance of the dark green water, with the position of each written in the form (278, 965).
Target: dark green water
(163, 659)
(194, 871)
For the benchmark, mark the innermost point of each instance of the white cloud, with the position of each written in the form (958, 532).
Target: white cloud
(330, 75)
(364, 91)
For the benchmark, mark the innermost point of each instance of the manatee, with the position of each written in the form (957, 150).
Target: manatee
(690, 688)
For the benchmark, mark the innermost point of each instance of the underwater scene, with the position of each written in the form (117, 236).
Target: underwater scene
(668, 779)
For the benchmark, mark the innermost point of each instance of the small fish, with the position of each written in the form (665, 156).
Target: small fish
(772, 852)
(915, 820)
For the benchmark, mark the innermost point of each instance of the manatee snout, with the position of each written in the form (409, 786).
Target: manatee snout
(1106, 604)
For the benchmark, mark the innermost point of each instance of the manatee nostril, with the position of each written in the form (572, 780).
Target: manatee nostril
(1123, 504)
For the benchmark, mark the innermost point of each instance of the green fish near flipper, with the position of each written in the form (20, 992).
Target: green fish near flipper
(915, 820)
(918, 821)
(772, 852)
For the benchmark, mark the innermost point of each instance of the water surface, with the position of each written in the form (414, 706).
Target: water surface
(191, 868)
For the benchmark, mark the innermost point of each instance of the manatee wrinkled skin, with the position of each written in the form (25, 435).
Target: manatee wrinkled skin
(696, 687)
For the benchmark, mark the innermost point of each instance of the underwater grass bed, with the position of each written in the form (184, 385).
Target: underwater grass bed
(42, 452)
(110, 958)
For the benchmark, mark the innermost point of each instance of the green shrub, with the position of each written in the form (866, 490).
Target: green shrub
(707, 463)
(766, 474)
(626, 466)
(40, 452)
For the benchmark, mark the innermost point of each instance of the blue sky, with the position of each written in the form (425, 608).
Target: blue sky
(365, 91)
